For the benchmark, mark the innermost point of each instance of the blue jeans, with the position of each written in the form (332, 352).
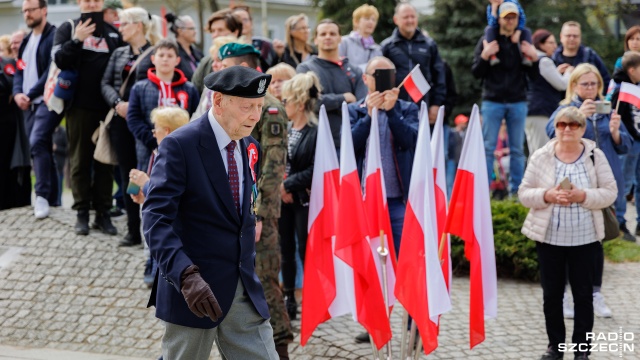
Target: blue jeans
(629, 163)
(41, 144)
(514, 115)
(396, 215)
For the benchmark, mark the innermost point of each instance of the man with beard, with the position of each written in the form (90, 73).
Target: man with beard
(32, 68)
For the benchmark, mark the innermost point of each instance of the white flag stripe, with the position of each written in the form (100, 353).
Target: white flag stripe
(418, 79)
(324, 161)
(474, 161)
(630, 89)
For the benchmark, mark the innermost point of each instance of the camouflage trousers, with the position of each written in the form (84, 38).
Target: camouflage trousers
(267, 269)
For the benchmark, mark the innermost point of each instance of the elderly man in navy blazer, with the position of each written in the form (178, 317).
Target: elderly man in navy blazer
(199, 222)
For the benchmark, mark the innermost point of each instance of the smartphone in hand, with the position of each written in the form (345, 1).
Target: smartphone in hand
(565, 184)
(133, 189)
(385, 79)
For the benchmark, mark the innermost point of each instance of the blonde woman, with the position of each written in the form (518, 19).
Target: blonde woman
(279, 75)
(139, 31)
(297, 47)
(299, 96)
(584, 89)
(359, 46)
(566, 185)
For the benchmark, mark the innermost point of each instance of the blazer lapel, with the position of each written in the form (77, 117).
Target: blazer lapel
(214, 166)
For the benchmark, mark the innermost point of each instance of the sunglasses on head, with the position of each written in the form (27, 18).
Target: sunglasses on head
(561, 125)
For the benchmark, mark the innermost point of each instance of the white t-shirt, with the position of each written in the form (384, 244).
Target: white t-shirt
(30, 72)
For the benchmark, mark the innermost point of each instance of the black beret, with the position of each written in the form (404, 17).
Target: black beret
(239, 81)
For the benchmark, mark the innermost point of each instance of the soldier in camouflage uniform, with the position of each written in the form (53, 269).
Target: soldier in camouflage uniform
(271, 133)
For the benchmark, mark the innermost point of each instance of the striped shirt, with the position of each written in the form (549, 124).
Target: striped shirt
(571, 225)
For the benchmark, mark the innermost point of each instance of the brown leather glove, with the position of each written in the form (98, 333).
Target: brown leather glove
(198, 294)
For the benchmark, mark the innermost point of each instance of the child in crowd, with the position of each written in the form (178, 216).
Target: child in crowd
(492, 31)
(165, 86)
(165, 120)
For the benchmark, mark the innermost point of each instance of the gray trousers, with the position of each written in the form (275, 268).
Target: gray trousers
(243, 334)
(536, 132)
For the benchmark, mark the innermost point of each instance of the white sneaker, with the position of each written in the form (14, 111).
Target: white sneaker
(567, 306)
(599, 307)
(41, 208)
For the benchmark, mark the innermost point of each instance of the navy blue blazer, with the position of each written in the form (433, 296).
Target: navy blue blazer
(189, 218)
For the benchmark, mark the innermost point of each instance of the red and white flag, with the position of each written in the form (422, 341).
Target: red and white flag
(319, 291)
(420, 285)
(352, 244)
(470, 219)
(377, 209)
(439, 174)
(416, 85)
(630, 93)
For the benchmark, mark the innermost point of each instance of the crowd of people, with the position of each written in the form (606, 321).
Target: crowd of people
(117, 70)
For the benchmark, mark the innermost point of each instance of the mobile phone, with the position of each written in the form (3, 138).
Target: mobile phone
(96, 18)
(385, 79)
(133, 189)
(565, 184)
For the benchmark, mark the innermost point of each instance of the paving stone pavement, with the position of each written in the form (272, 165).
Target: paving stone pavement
(85, 294)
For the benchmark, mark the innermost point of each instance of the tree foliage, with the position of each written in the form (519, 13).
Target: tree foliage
(341, 11)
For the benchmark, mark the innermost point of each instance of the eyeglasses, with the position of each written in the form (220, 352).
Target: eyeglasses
(561, 125)
(588, 84)
(26, 11)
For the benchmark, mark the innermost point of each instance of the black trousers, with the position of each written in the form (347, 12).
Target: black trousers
(91, 180)
(293, 221)
(555, 263)
(125, 146)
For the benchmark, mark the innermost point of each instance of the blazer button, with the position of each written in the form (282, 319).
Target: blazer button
(240, 234)
(240, 266)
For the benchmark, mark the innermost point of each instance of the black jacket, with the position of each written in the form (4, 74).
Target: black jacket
(184, 60)
(43, 60)
(298, 182)
(505, 82)
(629, 114)
(90, 59)
(585, 55)
(406, 53)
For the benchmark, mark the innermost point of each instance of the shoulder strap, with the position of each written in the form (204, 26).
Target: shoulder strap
(133, 68)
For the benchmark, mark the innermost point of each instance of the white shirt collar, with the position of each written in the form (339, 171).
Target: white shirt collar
(222, 137)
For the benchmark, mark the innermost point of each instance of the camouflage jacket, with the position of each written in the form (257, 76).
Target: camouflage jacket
(271, 133)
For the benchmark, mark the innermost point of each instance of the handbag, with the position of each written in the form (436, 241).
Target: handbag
(104, 152)
(54, 103)
(611, 225)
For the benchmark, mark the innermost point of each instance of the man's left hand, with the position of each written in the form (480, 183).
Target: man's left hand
(529, 50)
(390, 98)
(258, 230)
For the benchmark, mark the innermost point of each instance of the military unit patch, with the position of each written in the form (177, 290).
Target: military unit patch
(275, 129)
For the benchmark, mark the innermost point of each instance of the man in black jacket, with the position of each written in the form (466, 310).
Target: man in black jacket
(408, 46)
(86, 49)
(340, 80)
(32, 69)
(504, 92)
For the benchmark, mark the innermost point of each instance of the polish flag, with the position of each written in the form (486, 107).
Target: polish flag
(630, 93)
(319, 275)
(352, 245)
(420, 285)
(416, 85)
(377, 210)
(439, 174)
(470, 218)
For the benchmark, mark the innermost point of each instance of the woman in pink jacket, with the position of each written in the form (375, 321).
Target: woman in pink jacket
(566, 185)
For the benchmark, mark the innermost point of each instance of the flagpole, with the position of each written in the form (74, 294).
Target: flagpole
(412, 339)
(617, 105)
(383, 253)
(441, 248)
(418, 351)
(403, 338)
(376, 354)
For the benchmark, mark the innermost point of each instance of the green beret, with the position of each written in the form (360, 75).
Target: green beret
(239, 81)
(231, 50)
(112, 4)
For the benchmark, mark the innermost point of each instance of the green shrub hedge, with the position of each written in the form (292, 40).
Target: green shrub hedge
(516, 255)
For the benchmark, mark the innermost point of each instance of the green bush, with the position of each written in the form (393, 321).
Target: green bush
(516, 255)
